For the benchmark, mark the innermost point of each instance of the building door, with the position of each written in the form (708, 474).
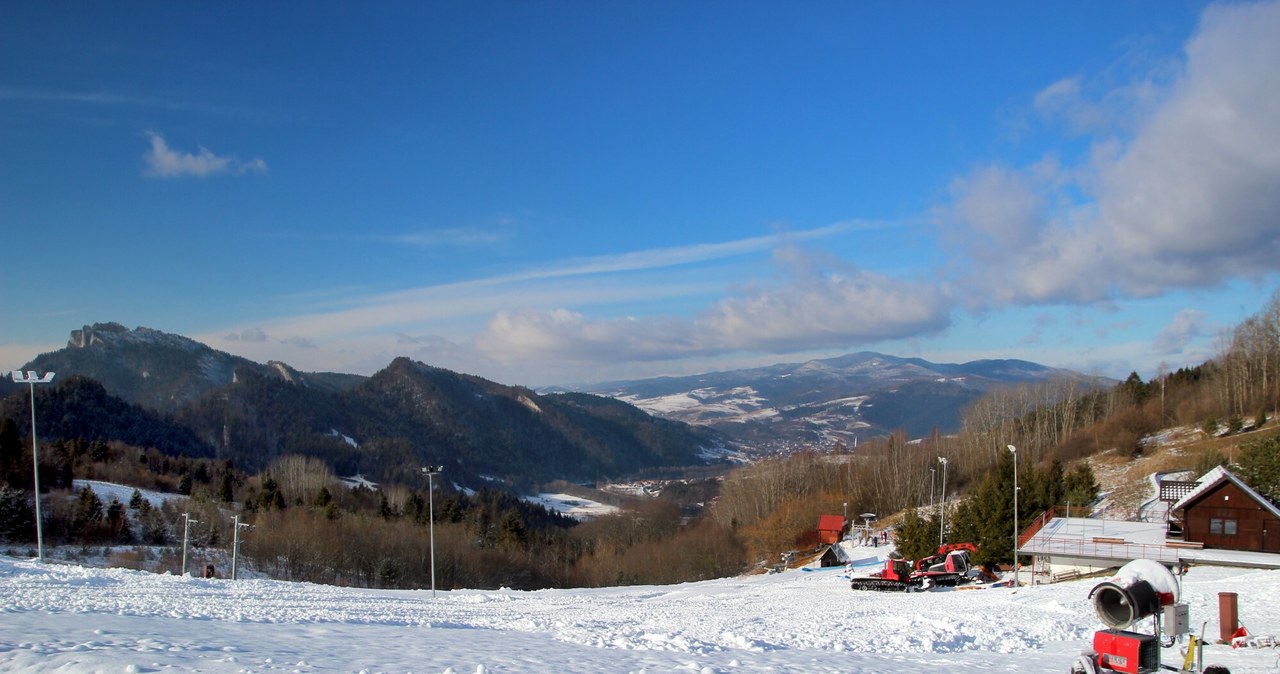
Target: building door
(1271, 535)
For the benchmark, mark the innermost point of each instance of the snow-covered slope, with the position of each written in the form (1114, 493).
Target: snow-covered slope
(75, 619)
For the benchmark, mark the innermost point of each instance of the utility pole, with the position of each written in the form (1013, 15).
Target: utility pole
(235, 545)
(186, 534)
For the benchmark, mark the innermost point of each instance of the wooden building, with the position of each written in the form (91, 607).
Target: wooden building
(1223, 512)
(830, 557)
(830, 528)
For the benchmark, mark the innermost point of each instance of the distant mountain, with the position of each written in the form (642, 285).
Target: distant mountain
(822, 402)
(162, 371)
(386, 426)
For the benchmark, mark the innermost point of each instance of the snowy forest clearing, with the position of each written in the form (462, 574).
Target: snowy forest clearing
(78, 619)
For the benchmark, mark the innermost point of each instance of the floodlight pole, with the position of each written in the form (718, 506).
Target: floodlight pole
(235, 545)
(942, 503)
(186, 533)
(31, 379)
(430, 472)
(1014, 450)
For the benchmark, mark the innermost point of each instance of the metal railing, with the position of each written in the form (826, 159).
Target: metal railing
(1074, 547)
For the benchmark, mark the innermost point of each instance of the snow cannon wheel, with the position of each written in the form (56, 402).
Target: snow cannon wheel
(1084, 664)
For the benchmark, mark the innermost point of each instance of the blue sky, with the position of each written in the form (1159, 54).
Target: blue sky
(556, 192)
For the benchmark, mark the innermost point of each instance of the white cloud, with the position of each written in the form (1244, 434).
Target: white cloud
(1064, 100)
(451, 236)
(298, 342)
(810, 309)
(1186, 326)
(1191, 199)
(247, 335)
(165, 162)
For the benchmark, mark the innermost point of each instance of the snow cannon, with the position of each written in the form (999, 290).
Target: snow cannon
(1140, 589)
(1137, 591)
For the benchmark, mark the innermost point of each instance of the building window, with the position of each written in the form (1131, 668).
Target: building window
(1221, 527)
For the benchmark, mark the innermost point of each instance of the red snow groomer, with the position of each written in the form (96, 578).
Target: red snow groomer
(948, 567)
(1142, 588)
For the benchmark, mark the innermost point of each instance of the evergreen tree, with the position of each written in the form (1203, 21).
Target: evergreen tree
(11, 453)
(916, 537)
(17, 517)
(118, 522)
(986, 519)
(226, 489)
(1137, 389)
(512, 529)
(270, 497)
(88, 515)
(420, 509)
(1259, 466)
(136, 500)
(98, 451)
(1039, 490)
(155, 531)
(1080, 486)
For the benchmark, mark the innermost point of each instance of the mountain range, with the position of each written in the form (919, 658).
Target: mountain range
(151, 388)
(386, 426)
(820, 403)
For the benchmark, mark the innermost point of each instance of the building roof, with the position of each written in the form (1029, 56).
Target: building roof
(1217, 476)
(1089, 538)
(830, 523)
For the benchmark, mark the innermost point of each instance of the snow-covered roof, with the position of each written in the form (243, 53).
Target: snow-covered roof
(1217, 476)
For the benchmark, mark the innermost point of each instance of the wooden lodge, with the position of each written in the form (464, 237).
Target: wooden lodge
(1225, 513)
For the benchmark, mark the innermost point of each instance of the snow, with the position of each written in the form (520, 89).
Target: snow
(75, 619)
(358, 481)
(105, 491)
(345, 438)
(1154, 573)
(577, 507)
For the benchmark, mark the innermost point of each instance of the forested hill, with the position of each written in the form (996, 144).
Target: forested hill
(162, 371)
(205, 402)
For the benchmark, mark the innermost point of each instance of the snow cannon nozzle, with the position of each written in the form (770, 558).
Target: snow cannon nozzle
(1138, 590)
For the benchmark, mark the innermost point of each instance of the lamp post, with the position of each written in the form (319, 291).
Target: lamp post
(186, 534)
(942, 502)
(1014, 450)
(31, 379)
(430, 472)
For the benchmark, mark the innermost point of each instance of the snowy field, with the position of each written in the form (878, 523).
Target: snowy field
(74, 619)
(577, 507)
(105, 491)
